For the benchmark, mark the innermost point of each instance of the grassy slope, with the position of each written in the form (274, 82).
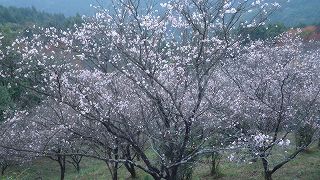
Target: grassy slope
(306, 166)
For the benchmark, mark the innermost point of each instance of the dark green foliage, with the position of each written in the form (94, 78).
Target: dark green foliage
(14, 21)
(304, 135)
(24, 17)
(185, 172)
(27, 15)
(215, 161)
(5, 100)
(263, 32)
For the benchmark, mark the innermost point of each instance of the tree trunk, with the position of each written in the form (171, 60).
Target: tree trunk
(115, 164)
(214, 164)
(129, 167)
(268, 175)
(3, 169)
(267, 172)
(173, 173)
(62, 164)
(62, 172)
(78, 167)
(76, 160)
(115, 171)
(131, 170)
(213, 170)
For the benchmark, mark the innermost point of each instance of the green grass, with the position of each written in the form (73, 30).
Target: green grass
(306, 166)
(46, 169)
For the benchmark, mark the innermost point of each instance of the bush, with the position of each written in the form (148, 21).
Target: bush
(304, 135)
(185, 172)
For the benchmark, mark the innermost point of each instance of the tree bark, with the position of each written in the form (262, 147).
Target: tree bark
(129, 167)
(115, 164)
(115, 172)
(76, 160)
(214, 164)
(78, 167)
(267, 172)
(3, 169)
(173, 173)
(268, 175)
(131, 170)
(62, 164)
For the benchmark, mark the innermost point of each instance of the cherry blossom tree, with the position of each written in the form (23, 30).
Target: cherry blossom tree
(9, 158)
(279, 87)
(150, 78)
(12, 132)
(43, 133)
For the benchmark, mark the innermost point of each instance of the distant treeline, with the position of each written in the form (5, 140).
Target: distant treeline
(263, 32)
(30, 16)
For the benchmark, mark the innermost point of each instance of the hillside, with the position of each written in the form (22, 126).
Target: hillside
(23, 17)
(298, 12)
(293, 12)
